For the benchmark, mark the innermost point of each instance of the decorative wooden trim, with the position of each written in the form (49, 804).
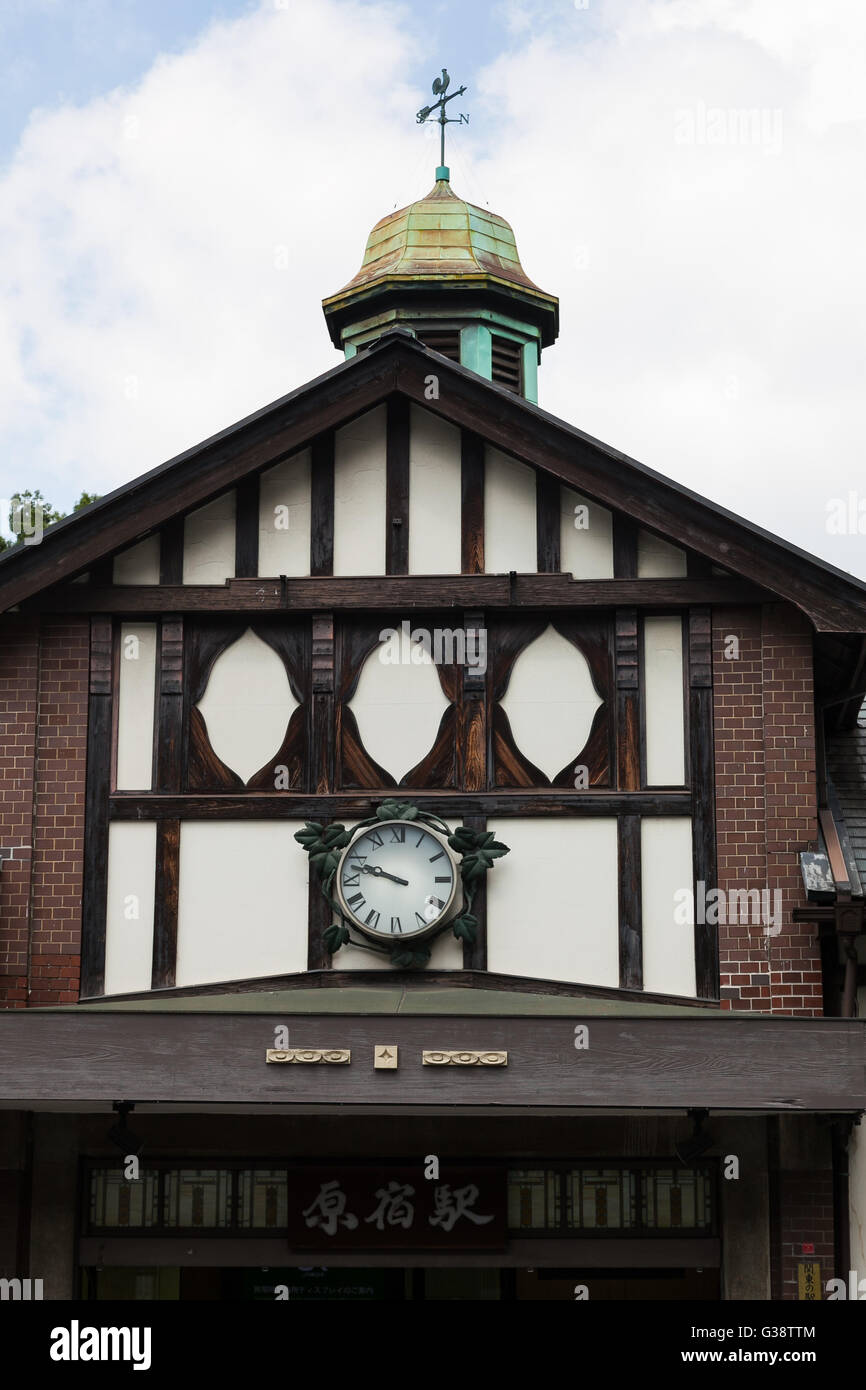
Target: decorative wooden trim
(702, 773)
(509, 637)
(169, 714)
(322, 506)
(488, 591)
(397, 486)
(418, 980)
(96, 806)
(472, 743)
(547, 522)
(171, 552)
(630, 917)
(472, 502)
(165, 904)
(357, 639)
(475, 954)
(247, 527)
(628, 702)
(321, 776)
(355, 805)
(624, 547)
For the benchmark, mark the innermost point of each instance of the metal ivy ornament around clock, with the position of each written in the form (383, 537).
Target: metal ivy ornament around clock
(400, 878)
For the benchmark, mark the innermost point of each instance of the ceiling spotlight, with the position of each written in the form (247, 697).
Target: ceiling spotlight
(120, 1135)
(687, 1150)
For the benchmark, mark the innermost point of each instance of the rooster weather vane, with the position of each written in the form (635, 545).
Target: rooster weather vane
(440, 86)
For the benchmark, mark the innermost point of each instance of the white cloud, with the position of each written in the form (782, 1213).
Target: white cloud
(712, 292)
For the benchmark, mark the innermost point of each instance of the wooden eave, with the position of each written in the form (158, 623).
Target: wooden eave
(83, 1056)
(397, 363)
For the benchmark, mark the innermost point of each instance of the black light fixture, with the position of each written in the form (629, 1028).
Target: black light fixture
(120, 1135)
(687, 1150)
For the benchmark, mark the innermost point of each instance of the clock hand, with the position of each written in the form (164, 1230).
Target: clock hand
(378, 872)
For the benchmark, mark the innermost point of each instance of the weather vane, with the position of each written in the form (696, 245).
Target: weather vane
(440, 86)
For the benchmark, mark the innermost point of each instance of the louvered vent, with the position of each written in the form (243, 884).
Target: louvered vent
(446, 341)
(508, 364)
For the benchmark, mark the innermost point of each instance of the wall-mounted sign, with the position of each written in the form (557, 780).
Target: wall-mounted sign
(385, 1208)
(809, 1282)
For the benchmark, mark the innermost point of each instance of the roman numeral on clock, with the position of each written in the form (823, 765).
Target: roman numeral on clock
(372, 919)
(358, 901)
(375, 838)
(395, 924)
(398, 834)
(352, 880)
(434, 857)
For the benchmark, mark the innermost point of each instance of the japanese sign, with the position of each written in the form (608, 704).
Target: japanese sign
(379, 1208)
(808, 1282)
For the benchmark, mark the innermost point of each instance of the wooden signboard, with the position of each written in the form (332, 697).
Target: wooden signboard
(385, 1208)
(809, 1282)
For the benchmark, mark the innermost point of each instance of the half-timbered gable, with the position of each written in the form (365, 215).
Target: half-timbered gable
(406, 584)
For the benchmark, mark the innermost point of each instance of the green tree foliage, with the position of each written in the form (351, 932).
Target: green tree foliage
(29, 511)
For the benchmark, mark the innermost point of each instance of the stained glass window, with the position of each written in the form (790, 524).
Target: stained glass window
(198, 1197)
(533, 1199)
(263, 1198)
(677, 1198)
(115, 1201)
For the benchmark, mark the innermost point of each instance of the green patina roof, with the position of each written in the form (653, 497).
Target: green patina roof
(395, 999)
(441, 237)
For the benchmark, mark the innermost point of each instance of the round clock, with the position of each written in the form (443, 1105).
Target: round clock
(398, 879)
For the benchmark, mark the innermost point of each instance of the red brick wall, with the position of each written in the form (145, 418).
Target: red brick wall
(765, 802)
(18, 679)
(806, 1211)
(40, 892)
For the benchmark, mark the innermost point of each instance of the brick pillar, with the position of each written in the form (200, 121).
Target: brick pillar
(766, 809)
(60, 786)
(19, 661)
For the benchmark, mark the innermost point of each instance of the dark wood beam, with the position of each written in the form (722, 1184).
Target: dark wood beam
(630, 915)
(791, 1065)
(702, 774)
(397, 486)
(320, 775)
(322, 505)
(169, 714)
(165, 904)
(171, 551)
(399, 591)
(628, 705)
(547, 522)
(624, 547)
(247, 527)
(349, 805)
(98, 787)
(472, 502)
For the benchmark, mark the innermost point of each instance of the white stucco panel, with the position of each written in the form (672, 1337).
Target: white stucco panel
(359, 495)
(666, 907)
(129, 909)
(284, 518)
(550, 701)
(139, 564)
(586, 544)
(434, 495)
(552, 903)
(658, 559)
(664, 701)
(510, 538)
(247, 705)
(135, 706)
(209, 542)
(399, 703)
(243, 908)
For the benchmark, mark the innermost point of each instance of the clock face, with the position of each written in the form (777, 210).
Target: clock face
(397, 880)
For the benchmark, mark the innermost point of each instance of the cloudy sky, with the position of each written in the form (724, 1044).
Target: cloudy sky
(182, 181)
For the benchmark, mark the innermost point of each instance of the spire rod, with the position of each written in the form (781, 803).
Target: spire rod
(440, 86)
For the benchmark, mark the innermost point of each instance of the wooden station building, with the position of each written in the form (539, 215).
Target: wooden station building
(635, 1068)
